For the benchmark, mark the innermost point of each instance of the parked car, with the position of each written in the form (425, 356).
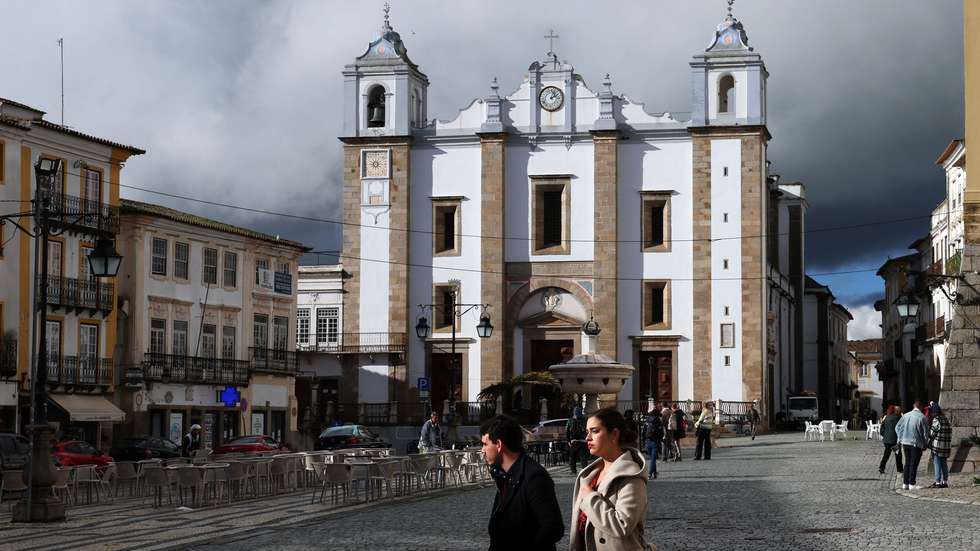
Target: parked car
(76, 452)
(251, 444)
(138, 448)
(552, 429)
(350, 436)
(14, 450)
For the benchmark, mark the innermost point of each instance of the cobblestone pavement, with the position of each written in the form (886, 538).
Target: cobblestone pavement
(775, 493)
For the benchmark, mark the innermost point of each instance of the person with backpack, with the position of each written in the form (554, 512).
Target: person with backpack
(653, 434)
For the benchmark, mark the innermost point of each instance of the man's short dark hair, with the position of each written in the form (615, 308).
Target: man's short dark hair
(504, 428)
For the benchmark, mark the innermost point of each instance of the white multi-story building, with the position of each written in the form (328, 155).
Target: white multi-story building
(826, 363)
(947, 243)
(82, 350)
(207, 319)
(555, 203)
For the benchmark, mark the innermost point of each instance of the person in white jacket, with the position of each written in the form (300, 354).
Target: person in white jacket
(610, 498)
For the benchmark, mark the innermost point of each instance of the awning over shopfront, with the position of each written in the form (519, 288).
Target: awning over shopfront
(84, 407)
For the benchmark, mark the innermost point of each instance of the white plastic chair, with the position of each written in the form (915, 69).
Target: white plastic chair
(810, 431)
(841, 429)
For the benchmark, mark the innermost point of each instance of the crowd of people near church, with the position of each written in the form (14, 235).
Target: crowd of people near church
(907, 436)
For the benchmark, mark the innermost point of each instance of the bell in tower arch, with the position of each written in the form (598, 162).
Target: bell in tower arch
(376, 108)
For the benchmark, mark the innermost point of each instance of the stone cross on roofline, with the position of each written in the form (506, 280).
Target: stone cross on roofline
(551, 36)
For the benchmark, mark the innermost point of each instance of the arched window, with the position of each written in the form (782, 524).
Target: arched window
(376, 107)
(726, 94)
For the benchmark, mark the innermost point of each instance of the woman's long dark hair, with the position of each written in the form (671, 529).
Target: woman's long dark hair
(612, 420)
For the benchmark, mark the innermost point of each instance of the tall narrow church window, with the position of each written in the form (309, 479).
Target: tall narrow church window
(726, 94)
(656, 304)
(551, 217)
(443, 315)
(445, 223)
(376, 107)
(656, 221)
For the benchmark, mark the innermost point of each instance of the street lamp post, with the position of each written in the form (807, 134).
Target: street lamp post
(39, 505)
(483, 329)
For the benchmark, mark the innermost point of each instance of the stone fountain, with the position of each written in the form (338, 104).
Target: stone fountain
(591, 373)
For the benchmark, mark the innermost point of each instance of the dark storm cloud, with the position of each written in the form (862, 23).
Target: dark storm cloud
(240, 101)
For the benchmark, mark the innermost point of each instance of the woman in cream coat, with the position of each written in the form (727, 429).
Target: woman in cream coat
(610, 501)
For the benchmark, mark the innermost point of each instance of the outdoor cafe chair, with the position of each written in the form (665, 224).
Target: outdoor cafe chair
(216, 481)
(261, 470)
(453, 467)
(126, 473)
(154, 480)
(237, 477)
(191, 478)
(338, 476)
(422, 467)
(827, 428)
(12, 482)
(810, 430)
(279, 473)
(873, 432)
(87, 478)
(61, 487)
(108, 477)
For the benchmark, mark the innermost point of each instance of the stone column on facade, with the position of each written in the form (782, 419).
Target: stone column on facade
(701, 219)
(606, 250)
(352, 266)
(498, 348)
(753, 266)
(398, 271)
(960, 394)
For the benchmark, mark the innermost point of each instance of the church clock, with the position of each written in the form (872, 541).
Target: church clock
(551, 98)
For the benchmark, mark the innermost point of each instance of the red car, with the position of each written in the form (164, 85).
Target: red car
(77, 452)
(251, 444)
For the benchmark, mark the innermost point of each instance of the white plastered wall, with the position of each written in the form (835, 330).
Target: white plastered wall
(726, 284)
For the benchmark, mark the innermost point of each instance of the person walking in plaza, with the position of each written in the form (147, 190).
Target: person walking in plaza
(609, 502)
(578, 453)
(430, 439)
(191, 442)
(940, 435)
(754, 420)
(653, 435)
(890, 440)
(913, 435)
(525, 512)
(679, 422)
(666, 415)
(703, 426)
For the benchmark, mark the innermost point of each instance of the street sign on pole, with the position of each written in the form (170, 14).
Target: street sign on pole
(423, 384)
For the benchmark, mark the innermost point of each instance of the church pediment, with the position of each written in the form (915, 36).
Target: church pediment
(550, 319)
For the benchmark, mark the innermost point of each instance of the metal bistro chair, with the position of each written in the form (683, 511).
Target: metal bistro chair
(62, 484)
(127, 473)
(216, 481)
(153, 479)
(12, 482)
(453, 468)
(192, 478)
(279, 473)
(85, 476)
(337, 476)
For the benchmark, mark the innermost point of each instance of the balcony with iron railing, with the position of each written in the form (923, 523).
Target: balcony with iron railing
(172, 368)
(69, 292)
(79, 371)
(357, 343)
(274, 360)
(81, 215)
(8, 358)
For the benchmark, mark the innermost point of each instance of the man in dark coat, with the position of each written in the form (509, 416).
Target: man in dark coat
(525, 512)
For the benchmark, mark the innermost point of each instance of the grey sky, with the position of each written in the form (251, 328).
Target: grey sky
(239, 101)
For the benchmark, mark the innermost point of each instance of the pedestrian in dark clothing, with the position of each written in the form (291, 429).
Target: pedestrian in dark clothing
(890, 440)
(703, 427)
(653, 434)
(525, 512)
(754, 420)
(578, 453)
(680, 430)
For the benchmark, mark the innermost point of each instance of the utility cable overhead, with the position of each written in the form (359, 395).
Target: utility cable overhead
(505, 238)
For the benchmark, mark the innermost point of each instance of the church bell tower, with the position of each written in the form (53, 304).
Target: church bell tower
(728, 81)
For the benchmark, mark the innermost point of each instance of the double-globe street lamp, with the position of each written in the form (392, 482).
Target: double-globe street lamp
(483, 329)
(39, 505)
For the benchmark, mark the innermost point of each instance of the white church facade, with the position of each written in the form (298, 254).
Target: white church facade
(559, 202)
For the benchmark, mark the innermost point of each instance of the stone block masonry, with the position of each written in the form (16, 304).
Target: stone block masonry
(496, 357)
(701, 190)
(606, 265)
